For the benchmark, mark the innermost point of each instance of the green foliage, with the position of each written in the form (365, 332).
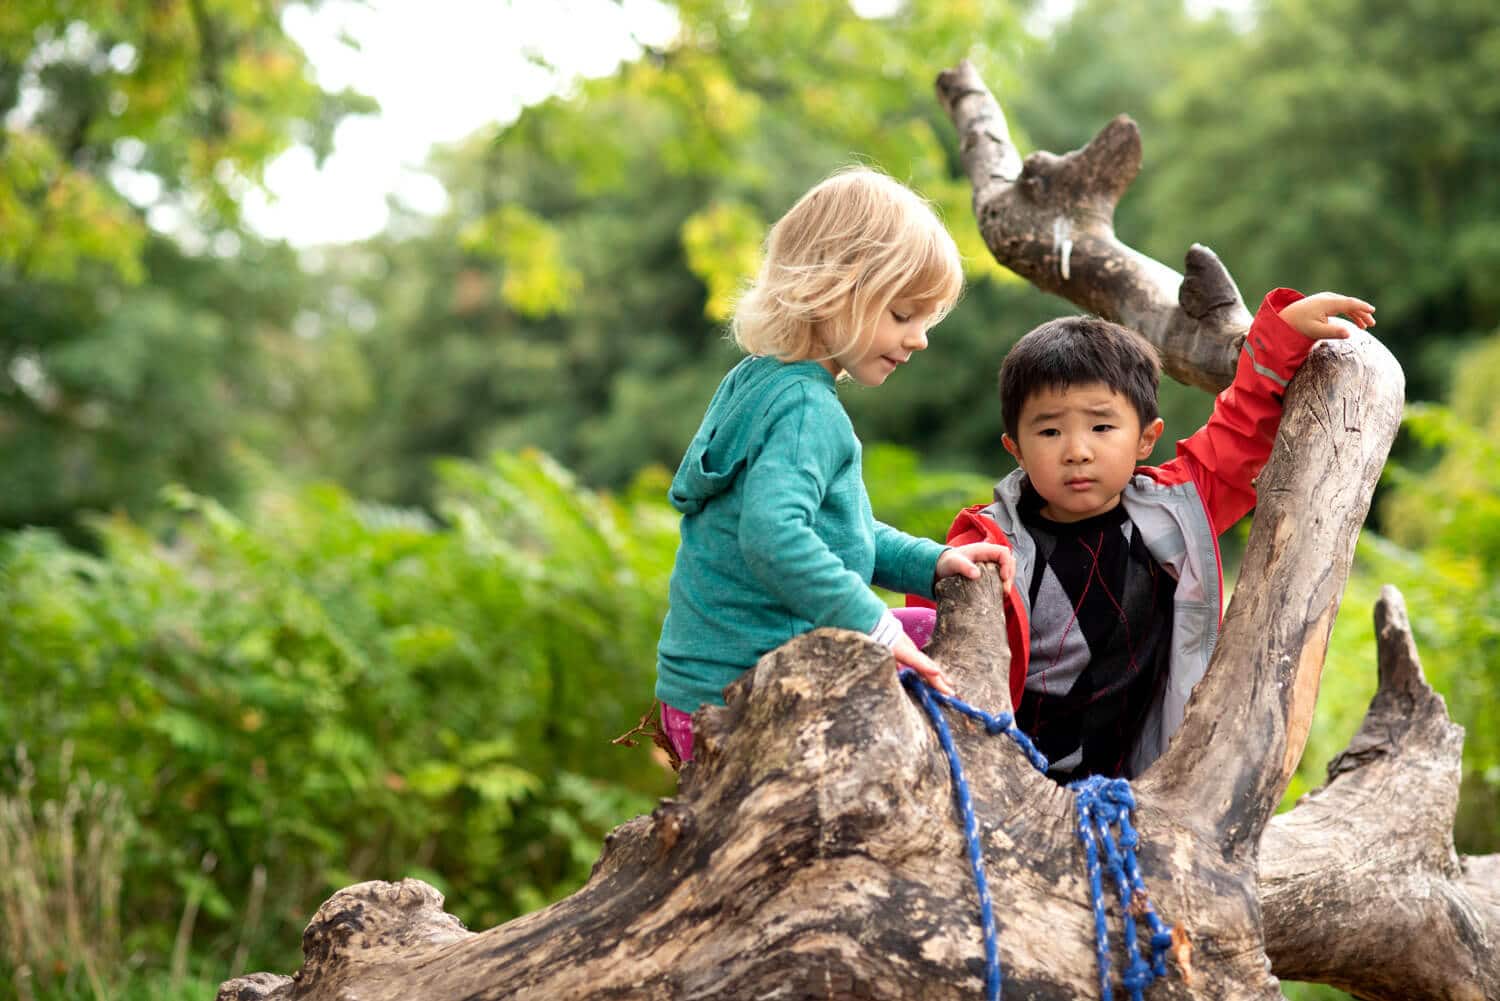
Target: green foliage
(129, 984)
(538, 280)
(1312, 992)
(658, 184)
(129, 359)
(60, 868)
(289, 678)
(106, 393)
(1366, 167)
(915, 498)
(573, 297)
(199, 97)
(723, 250)
(338, 692)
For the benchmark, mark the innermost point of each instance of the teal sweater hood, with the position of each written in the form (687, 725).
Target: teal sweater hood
(718, 451)
(777, 535)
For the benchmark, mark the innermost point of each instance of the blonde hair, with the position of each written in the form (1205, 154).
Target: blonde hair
(838, 258)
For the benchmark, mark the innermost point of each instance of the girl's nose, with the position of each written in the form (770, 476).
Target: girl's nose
(916, 340)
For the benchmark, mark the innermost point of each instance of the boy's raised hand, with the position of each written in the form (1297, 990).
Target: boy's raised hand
(964, 560)
(1316, 317)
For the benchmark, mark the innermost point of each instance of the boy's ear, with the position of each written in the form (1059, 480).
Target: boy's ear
(1013, 449)
(1149, 435)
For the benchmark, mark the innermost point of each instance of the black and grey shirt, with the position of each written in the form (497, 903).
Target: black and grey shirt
(1101, 628)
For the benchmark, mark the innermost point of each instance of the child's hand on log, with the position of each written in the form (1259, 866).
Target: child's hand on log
(964, 561)
(1316, 316)
(907, 655)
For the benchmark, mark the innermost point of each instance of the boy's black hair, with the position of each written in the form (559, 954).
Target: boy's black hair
(1077, 351)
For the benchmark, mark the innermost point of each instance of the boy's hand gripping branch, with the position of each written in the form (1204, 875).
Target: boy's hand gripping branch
(1316, 317)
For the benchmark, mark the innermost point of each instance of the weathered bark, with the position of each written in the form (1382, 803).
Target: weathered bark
(1360, 884)
(835, 868)
(1050, 219)
(813, 849)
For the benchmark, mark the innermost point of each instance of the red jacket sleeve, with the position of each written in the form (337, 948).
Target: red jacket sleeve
(1226, 455)
(972, 526)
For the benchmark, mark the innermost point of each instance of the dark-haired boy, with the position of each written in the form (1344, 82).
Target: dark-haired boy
(1117, 593)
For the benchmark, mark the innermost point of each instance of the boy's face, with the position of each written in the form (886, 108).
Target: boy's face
(1079, 447)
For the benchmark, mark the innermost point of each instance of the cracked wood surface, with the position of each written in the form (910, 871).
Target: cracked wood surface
(849, 883)
(1360, 883)
(1239, 750)
(813, 851)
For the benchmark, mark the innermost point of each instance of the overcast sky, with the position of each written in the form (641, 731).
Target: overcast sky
(439, 69)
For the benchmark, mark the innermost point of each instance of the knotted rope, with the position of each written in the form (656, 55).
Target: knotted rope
(1102, 804)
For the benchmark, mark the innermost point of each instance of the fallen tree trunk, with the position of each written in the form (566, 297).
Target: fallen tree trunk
(813, 849)
(822, 885)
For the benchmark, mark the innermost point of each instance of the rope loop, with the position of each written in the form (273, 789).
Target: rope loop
(1102, 805)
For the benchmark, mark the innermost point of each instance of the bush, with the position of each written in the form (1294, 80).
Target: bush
(336, 692)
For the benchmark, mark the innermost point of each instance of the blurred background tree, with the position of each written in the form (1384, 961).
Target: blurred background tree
(575, 295)
(136, 354)
(344, 562)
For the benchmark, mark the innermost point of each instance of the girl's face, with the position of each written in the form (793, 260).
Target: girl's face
(900, 333)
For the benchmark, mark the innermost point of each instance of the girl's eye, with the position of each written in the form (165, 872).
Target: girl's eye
(899, 317)
(1048, 432)
(1104, 427)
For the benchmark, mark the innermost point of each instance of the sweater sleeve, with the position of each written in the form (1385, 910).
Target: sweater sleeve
(905, 563)
(1226, 455)
(785, 482)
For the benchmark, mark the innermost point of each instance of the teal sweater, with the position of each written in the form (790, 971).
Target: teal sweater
(777, 533)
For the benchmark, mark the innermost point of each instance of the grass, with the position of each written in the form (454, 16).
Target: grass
(61, 866)
(61, 863)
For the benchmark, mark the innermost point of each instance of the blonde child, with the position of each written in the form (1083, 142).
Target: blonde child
(777, 534)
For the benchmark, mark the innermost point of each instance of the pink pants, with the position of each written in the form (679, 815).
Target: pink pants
(917, 622)
(679, 727)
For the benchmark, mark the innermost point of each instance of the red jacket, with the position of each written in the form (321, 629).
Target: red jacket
(1181, 507)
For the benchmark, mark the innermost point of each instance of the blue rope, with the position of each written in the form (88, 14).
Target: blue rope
(1102, 804)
